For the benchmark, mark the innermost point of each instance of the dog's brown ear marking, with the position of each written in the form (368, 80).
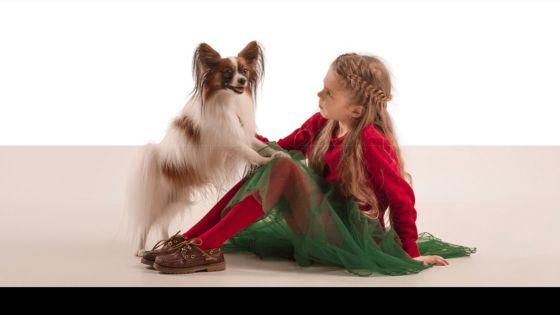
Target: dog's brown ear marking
(206, 56)
(187, 125)
(250, 53)
(254, 57)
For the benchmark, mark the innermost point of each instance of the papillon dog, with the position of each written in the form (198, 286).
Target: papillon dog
(213, 136)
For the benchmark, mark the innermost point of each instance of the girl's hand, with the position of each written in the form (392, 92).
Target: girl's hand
(432, 260)
(280, 154)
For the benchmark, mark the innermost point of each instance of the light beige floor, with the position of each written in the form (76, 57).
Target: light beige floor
(62, 223)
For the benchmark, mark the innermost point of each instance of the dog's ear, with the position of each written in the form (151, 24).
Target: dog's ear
(251, 53)
(254, 56)
(206, 57)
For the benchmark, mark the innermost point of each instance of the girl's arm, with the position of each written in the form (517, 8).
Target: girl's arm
(301, 138)
(262, 138)
(382, 164)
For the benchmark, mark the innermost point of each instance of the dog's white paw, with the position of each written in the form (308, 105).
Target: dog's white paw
(140, 252)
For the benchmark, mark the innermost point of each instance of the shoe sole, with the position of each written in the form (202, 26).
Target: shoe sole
(210, 268)
(147, 262)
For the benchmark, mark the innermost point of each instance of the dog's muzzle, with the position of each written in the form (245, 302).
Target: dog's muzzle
(236, 89)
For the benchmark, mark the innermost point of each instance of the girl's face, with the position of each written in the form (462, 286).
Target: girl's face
(335, 102)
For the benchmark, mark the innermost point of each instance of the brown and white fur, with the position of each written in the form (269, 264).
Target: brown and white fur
(212, 138)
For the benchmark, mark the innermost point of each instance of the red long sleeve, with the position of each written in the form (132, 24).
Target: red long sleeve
(301, 138)
(262, 138)
(382, 165)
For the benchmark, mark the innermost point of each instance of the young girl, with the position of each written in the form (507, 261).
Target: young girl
(331, 211)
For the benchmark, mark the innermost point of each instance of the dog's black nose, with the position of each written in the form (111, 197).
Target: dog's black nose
(241, 81)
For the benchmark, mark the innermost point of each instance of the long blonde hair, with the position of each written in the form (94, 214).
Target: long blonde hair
(369, 79)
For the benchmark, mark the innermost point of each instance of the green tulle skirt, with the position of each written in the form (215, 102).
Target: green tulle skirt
(306, 219)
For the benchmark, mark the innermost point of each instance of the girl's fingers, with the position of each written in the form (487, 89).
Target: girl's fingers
(442, 262)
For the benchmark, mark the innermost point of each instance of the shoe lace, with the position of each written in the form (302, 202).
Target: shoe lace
(187, 243)
(171, 240)
(191, 244)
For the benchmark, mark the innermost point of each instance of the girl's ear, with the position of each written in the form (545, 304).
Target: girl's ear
(356, 111)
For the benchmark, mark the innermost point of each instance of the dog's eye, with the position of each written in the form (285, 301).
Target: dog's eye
(244, 70)
(228, 73)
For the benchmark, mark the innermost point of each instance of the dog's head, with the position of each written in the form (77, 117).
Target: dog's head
(240, 74)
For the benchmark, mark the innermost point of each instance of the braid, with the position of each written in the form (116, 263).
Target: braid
(376, 96)
(368, 93)
(357, 75)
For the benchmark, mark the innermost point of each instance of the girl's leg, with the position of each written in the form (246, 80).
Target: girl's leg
(286, 180)
(214, 215)
(241, 215)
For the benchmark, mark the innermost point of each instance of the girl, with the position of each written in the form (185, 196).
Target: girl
(331, 211)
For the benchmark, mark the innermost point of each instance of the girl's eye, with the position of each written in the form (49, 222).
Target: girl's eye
(329, 93)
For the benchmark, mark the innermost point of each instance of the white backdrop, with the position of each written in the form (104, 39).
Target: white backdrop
(115, 73)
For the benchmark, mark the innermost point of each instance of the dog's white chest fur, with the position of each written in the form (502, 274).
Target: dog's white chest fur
(236, 113)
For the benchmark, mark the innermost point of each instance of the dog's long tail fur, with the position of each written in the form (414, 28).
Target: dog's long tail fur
(146, 192)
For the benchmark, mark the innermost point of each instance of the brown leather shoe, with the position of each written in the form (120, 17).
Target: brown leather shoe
(190, 258)
(163, 247)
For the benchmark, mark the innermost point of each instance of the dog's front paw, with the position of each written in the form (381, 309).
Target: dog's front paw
(140, 253)
(280, 154)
